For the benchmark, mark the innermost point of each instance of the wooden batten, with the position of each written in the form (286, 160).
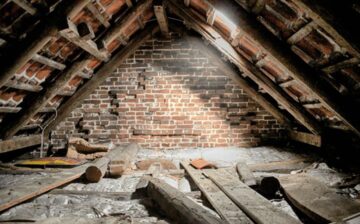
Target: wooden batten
(307, 138)
(26, 6)
(49, 62)
(23, 86)
(19, 143)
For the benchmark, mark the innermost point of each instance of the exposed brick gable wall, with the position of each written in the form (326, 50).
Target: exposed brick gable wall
(169, 96)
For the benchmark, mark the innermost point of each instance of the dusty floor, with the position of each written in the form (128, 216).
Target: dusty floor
(142, 210)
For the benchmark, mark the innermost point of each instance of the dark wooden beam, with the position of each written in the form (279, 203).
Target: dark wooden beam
(161, 17)
(47, 29)
(101, 75)
(235, 75)
(19, 143)
(296, 110)
(306, 138)
(296, 68)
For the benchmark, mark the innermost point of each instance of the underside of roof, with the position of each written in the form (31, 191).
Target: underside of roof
(290, 56)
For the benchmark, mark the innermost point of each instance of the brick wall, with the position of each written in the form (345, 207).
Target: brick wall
(168, 95)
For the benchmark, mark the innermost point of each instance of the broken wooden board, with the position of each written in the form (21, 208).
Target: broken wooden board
(316, 200)
(30, 188)
(177, 205)
(281, 166)
(253, 204)
(225, 207)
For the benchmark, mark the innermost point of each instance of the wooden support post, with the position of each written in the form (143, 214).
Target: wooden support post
(19, 143)
(72, 34)
(253, 204)
(176, 205)
(4, 109)
(49, 62)
(161, 17)
(275, 91)
(299, 70)
(26, 6)
(98, 15)
(47, 29)
(14, 125)
(235, 75)
(102, 74)
(306, 138)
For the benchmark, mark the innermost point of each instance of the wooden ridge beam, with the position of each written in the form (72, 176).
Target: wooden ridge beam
(299, 70)
(12, 127)
(23, 86)
(47, 29)
(19, 143)
(234, 75)
(296, 110)
(101, 75)
(49, 62)
(95, 11)
(117, 29)
(160, 14)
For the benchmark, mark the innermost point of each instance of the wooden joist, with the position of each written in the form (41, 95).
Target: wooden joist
(296, 110)
(225, 207)
(258, 208)
(23, 86)
(72, 34)
(306, 138)
(299, 70)
(95, 11)
(235, 75)
(301, 33)
(48, 29)
(341, 65)
(162, 19)
(104, 72)
(5, 109)
(177, 205)
(26, 6)
(14, 125)
(49, 62)
(19, 143)
(117, 29)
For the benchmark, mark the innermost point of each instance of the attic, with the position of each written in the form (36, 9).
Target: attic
(194, 111)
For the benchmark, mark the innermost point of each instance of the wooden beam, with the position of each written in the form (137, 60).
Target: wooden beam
(49, 62)
(235, 75)
(26, 6)
(129, 3)
(301, 33)
(95, 11)
(162, 19)
(47, 30)
(19, 143)
(258, 208)
(227, 209)
(341, 65)
(101, 75)
(72, 34)
(4, 109)
(296, 110)
(296, 68)
(121, 161)
(306, 138)
(177, 205)
(23, 86)
(85, 30)
(118, 28)
(13, 126)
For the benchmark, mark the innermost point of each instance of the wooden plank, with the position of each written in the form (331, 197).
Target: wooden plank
(31, 187)
(245, 174)
(253, 204)
(177, 205)
(295, 109)
(316, 200)
(23, 86)
(306, 138)
(281, 166)
(19, 143)
(47, 30)
(303, 32)
(71, 34)
(227, 209)
(95, 11)
(161, 17)
(4, 109)
(234, 75)
(26, 6)
(104, 72)
(49, 62)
